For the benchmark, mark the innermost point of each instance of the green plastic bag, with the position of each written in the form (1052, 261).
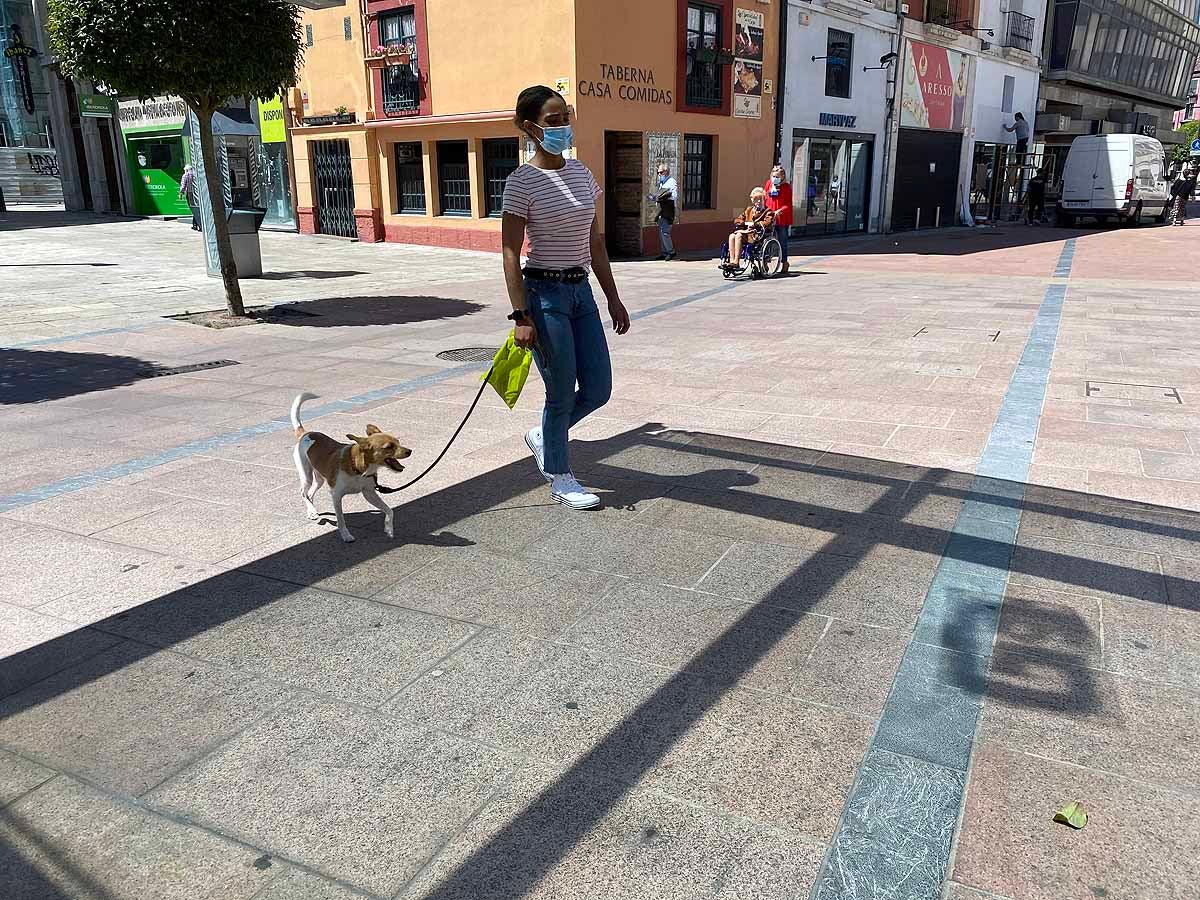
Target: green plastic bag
(510, 368)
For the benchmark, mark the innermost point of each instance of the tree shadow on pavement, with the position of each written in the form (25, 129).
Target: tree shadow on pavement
(828, 510)
(334, 312)
(33, 376)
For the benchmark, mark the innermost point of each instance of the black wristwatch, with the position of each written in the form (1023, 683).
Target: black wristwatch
(519, 315)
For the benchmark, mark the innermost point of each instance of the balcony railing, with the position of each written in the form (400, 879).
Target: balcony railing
(401, 91)
(1018, 31)
(945, 12)
(703, 84)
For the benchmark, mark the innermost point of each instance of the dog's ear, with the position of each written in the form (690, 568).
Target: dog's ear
(361, 441)
(372, 429)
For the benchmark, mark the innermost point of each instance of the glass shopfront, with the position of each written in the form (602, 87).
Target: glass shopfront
(831, 181)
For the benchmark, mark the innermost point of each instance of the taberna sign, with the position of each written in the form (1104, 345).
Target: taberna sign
(836, 120)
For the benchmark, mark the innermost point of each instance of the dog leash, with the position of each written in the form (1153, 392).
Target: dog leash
(445, 450)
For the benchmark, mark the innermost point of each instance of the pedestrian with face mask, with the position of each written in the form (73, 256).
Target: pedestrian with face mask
(779, 201)
(187, 191)
(751, 225)
(551, 200)
(666, 195)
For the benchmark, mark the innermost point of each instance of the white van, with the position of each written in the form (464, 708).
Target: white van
(1121, 176)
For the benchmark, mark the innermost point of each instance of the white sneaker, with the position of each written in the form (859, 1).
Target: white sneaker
(533, 440)
(565, 489)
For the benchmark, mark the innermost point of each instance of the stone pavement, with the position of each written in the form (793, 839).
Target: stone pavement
(898, 556)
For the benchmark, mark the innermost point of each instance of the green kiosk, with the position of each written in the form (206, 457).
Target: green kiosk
(156, 152)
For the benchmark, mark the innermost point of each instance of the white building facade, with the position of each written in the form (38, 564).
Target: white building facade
(895, 114)
(835, 113)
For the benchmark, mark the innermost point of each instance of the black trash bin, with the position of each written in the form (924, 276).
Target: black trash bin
(244, 223)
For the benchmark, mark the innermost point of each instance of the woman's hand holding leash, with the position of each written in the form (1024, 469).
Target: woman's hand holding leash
(525, 335)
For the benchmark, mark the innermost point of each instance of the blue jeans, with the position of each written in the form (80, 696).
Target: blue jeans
(571, 348)
(781, 232)
(664, 234)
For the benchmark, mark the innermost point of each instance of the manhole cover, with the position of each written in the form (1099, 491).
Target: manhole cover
(469, 354)
(1116, 390)
(194, 367)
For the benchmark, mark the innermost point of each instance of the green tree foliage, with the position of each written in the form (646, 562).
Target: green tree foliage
(205, 51)
(1192, 130)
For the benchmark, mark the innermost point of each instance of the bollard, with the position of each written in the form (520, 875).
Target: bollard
(3, 208)
(937, 219)
(918, 228)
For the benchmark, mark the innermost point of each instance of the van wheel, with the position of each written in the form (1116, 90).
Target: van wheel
(1134, 219)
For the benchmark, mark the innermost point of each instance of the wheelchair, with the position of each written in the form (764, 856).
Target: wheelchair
(762, 258)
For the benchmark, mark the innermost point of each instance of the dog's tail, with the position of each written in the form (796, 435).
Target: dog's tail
(296, 404)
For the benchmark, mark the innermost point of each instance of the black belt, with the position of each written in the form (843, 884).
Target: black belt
(567, 276)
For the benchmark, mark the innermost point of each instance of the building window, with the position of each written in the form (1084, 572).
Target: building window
(402, 83)
(308, 38)
(697, 171)
(346, 29)
(454, 178)
(500, 157)
(839, 55)
(1010, 88)
(410, 178)
(703, 84)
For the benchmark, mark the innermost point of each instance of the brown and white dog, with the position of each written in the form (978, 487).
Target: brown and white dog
(346, 468)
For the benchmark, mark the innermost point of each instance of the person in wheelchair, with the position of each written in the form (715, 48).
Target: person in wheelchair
(749, 229)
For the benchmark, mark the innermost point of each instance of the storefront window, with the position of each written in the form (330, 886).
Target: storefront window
(499, 160)
(697, 171)
(831, 185)
(410, 178)
(273, 188)
(454, 178)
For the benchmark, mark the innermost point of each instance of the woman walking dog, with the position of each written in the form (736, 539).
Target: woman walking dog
(551, 201)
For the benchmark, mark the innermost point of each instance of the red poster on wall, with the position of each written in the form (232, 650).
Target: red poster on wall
(935, 87)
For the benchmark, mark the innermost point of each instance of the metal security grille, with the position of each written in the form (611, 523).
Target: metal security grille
(334, 182)
(410, 178)
(454, 178)
(697, 171)
(500, 157)
(469, 354)
(194, 367)
(401, 91)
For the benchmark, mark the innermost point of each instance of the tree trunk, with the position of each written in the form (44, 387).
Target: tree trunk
(216, 196)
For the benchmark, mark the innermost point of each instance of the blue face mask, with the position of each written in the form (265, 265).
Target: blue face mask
(662, 179)
(556, 140)
(776, 180)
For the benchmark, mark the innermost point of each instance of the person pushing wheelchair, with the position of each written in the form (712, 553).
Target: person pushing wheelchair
(749, 228)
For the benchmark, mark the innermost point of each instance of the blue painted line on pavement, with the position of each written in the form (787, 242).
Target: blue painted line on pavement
(78, 336)
(898, 823)
(207, 445)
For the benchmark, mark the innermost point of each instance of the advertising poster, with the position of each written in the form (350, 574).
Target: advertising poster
(935, 87)
(748, 64)
(748, 44)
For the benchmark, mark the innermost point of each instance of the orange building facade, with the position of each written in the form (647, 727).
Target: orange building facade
(402, 121)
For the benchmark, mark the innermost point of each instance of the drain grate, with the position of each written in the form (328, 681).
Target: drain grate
(469, 354)
(1119, 390)
(193, 367)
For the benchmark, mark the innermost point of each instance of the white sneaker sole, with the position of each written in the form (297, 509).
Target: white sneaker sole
(587, 504)
(537, 460)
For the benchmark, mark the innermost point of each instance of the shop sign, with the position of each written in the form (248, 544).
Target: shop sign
(157, 112)
(271, 124)
(748, 64)
(17, 53)
(835, 120)
(628, 83)
(935, 87)
(95, 106)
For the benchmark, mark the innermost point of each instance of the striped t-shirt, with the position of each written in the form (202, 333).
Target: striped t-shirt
(558, 206)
